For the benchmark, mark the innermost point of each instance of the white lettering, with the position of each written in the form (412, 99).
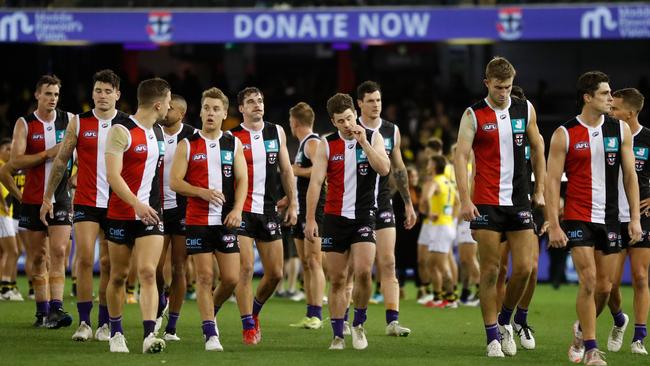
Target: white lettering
(369, 25)
(307, 27)
(286, 26)
(391, 25)
(416, 24)
(264, 26)
(243, 26)
(324, 19)
(340, 25)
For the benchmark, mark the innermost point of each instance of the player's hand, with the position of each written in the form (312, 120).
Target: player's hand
(359, 134)
(212, 196)
(556, 237)
(291, 216)
(233, 219)
(51, 152)
(468, 211)
(544, 228)
(433, 217)
(146, 213)
(46, 209)
(283, 203)
(635, 232)
(311, 230)
(538, 200)
(410, 217)
(645, 206)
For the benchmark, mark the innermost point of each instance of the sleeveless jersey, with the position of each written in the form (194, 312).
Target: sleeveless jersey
(592, 169)
(442, 202)
(141, 169)
(352, 184)
(641, 147)
(261, 150)
(302, 183)
(210, 164)
(41, 136)
(92, 186)
(171, 199)
(388, 131)
(499, 149)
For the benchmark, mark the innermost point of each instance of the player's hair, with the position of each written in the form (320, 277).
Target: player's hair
(4, 141)
(216, 93)
(107, 76)
(435, 143)
(152, 90)
(367, 87)
(632, 97)
(500, 69)
(303, 114)
(339, 103)
(241, 96)
(47, 80)
(588, 84)
(179, 99)
(518, 92)
(440, 162)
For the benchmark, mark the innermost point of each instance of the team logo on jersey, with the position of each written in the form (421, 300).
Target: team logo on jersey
(611, 144)
(142, 148)
(38, 136)
(213, 145)
(227, 170)
(489, 127)
(363, 168)
(104, 125)
(337, 157)
(90, 134)
(226, 157)
(611, 158)
(272, 158)
(170, 141)
(272, 146)
(199, 157)
(640, 157)
(246, 147)
(519, 139)
(49, 128)
(256, 137)
(595, 133)
(159, 27)
(582, 145)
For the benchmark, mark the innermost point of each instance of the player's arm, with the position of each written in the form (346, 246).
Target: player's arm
(310, 149)
(60, 163)
(117, 142)
(19, 159)
(233, 220)
(287, 178)
(375, 151)
(318, 173)
(536, 157)
(401, 181)
(7, 180)
(466, 133)
(555, 168)
(631, 184)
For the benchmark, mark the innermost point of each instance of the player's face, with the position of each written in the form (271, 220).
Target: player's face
(174, 114)
(105, 96)
(602, 99)
(344, 122)
(499, 90)
(414, 177)
(47, 97)
(162, 107)
(212, 114)
(253, 107)
(620, 110)
(370, 105)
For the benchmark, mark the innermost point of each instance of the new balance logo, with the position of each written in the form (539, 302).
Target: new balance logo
(593, 21)
(11, 24)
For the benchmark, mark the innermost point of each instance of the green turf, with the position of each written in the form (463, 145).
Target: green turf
(439, 336)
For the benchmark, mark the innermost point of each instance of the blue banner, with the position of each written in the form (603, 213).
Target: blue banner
(623, 21)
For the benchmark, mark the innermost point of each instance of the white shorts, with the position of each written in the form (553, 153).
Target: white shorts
(438, 238)
(7, 227)
(464, 233)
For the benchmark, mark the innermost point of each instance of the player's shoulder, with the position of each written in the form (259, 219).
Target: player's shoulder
(86, 115)
(124, 120)
(481, 104)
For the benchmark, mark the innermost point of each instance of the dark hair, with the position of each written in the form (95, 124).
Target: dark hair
(588, 84)
(303, 114)
(47, 80)
(4, 141)
(518, 92)
(367, 87)
(246, 92)
(441, 163)
(339, 103)
(499, 68)
(151, 90)
(435, 143)
(177, 98)
(107, 76)
(632, 97)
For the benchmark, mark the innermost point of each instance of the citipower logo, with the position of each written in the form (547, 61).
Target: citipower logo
(11, 24)
(593, 21)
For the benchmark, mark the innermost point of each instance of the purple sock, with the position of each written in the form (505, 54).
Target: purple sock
(505, 315)
(208, 329)
(521, 316)
(337, 327)
(84, 309)
(171, 323)
(257, 306)
(43, 307)
(216, 309)
(492, 333)
(56, 304)
(314, 311)
(619, 319)
(590, 344)
(359, 316)
(116, 325)
(391, 316)
(149, 326)
(347, 313)
(640, 332)
(102, 317)
(162, 303)
(247, 322)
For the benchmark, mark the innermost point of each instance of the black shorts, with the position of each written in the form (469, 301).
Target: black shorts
(209, 239)
(263, 227)
(30, 216)
(385, 218)
(603, 237)
(127, 231)
(174, 219)
(298, 230)
(645, 236)
(90, 213)
(503, 218)
(339, 233)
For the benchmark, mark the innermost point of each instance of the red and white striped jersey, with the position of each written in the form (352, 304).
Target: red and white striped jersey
(592, 168)
(171, 199)
(210, 164)
(352, 184)
(641, 148)
(500, 149)
(262, 152)
(92, 186)
(141, 168)
(42, 135)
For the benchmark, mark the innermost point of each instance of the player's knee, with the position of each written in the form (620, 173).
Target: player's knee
(274, 274)
(588, 282)
(521, 272)
(246, 271)
(84, 262)
(229, 280)
(104, 264)
(363, 274)
(387, 266)
(118, 279)
(205, 279)
(147, 275)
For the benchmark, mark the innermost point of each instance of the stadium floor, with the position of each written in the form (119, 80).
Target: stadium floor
(439, 336)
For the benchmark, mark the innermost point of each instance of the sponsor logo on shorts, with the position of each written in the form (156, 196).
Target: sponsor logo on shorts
(90, 134)
(193, 243)
(149, 228)
(387, 216)
(61, 215)
(161, 226)
(272, 227)
(365, 231)
(117, 233)
(79, 215)
(481, 220)
(230, 240)
(525, 216)
(327, 242)
(577, 234)
(613, 238)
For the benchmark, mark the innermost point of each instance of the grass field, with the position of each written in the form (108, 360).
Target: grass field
(439, 336)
